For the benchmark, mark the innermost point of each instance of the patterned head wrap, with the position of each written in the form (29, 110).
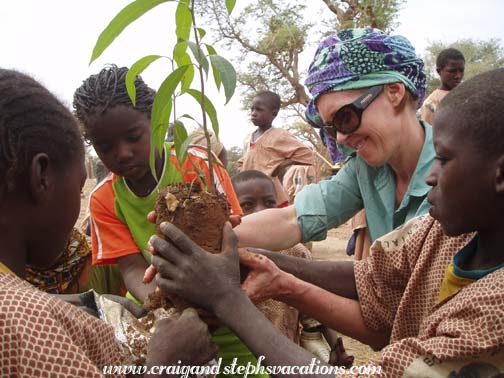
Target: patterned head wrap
(362, 58)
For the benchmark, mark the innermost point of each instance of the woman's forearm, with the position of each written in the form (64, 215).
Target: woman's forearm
(273, 229)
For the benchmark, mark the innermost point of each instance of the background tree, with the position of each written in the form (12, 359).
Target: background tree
(480, 56)
(270, 37)
(380, 14)
(233, 155)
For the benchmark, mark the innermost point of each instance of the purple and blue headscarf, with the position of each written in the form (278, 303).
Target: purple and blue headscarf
(362, 58)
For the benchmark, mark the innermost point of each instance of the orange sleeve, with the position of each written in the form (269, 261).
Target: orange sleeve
(110, 237)
(197, 156)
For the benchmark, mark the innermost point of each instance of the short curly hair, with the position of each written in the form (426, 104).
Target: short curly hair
(475, 107)
(32, 121)
(271, 98)
(446, 55)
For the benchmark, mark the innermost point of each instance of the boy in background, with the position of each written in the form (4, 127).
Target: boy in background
(272, 150)
(450, 66)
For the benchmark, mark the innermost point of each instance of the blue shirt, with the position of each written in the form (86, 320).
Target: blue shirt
(329, 203)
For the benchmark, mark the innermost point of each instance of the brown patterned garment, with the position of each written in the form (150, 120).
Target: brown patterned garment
(269, 151)
(284, 317)
(41, 336)
(398, 288)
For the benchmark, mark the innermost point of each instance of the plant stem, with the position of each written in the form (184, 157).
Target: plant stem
(173, 101)
(202, 103)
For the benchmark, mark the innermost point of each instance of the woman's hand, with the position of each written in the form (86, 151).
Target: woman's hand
(264, 280)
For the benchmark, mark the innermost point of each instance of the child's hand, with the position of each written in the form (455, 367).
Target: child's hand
(188, 341)
(186, 270)
(264, 280)
(151, 271)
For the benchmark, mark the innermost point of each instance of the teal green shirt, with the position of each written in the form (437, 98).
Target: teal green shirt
(358, 186)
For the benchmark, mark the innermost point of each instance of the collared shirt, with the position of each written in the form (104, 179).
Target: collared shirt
(329, 203)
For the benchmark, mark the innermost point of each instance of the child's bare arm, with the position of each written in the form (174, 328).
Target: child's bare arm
(132, 268)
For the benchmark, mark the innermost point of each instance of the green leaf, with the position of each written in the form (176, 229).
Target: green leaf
(188, 116)
(158, 135)
(199, 55)
(230, 4)
(183, 20)
(125, 17)
(185, 60)
(215, 71)
(136, 69)
(209, 109)
(201, 175)
(180, 49)
(181, 141)
(216, 160)
(161, 110)
(227, 74)
(201, 32)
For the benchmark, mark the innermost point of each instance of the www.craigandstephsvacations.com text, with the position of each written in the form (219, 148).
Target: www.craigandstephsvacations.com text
(185, 371)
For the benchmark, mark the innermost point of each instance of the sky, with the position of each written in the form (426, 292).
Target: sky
(52, 40)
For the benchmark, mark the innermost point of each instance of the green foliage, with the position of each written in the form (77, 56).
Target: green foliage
(161, 110)
(179, 81)
(380, 14)
(136, 69)
(209, 108)
(226, 74)
(181, 141)
(230, 4)
(125, 17)
(183, 20)
(480, 56)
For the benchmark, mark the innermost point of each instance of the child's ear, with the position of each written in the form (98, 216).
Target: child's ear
(395, 92)
(499, 176)
(438, 71)
(39, 177)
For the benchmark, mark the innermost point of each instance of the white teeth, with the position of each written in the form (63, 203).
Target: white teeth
(360, 144)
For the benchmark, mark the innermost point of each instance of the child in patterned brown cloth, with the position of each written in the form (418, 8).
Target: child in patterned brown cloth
(41, 175)
(450, 66)
(269, 149)
(432, 292)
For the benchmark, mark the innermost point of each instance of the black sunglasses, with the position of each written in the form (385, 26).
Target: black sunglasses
(348, 118)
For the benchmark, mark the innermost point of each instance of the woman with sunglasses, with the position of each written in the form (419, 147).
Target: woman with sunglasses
(366, 87)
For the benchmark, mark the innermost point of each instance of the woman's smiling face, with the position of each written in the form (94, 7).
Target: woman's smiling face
(377, 138)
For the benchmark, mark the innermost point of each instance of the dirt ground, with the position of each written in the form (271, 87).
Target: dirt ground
(333, 248)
